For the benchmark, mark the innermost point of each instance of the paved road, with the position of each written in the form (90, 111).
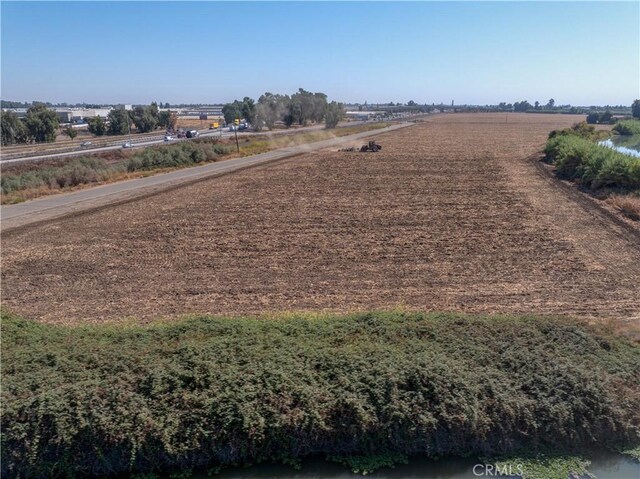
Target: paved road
(54, 206)
(102, 149)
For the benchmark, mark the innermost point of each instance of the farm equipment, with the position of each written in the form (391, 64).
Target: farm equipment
(371, 146)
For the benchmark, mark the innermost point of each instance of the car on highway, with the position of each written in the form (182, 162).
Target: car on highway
(168, 138)
(84, 144)
(232, 128)
(127, 144)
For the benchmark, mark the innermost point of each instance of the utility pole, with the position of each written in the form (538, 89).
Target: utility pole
(235, 129)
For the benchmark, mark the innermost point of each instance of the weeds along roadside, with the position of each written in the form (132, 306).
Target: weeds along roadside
(208, 392)
(610, 174)
(34, 180)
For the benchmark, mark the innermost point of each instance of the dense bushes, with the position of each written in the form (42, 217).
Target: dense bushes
(94, 169)
(604, 118)
(627, 127)
(101, 400)
(577, 157)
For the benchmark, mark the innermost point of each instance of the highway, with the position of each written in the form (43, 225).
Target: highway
(55, 206)
(142, 143)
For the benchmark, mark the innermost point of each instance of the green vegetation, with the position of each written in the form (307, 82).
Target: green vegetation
(334, 112)
(119, 122)
(577, 157)
(367, 464)
(546, 466)
(207, 392)
(39, 125)
(70, 132)
(633, 452)
(13, 129)
(635, 109)
(627, 127)
(97, 126)
(301, 108)
(94, 169)
(603, 118)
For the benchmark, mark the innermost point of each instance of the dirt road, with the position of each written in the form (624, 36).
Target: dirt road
(453, 214)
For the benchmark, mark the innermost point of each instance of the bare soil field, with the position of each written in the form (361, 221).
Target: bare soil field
(453, 214)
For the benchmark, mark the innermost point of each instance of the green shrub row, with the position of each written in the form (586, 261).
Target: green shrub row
(627, 127)
(208, 392)
(595, 166)
(94, 169)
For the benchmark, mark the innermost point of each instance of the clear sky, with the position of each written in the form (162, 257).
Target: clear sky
(211, 52)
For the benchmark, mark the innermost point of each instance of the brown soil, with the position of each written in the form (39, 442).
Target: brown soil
(453, 214)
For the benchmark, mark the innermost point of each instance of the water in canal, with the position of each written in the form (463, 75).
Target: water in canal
(604, 465)
(629, 145)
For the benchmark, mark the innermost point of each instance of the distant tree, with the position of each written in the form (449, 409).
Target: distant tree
(334, 112)
(97, 126)
(14, 104)
(536, 105)
(168, 120)
(411, 103)
(119, 122)
(522, 106)
(635, 109)
(248, 109)
(146, 117)
(270, 109)
(70, 132)
(551, 103)
(592, 118)
(232, 111)
(13, 129)
(42, 124)
(605, 117)
(305, 107)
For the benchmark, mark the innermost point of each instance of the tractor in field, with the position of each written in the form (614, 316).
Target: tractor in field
(371, 146)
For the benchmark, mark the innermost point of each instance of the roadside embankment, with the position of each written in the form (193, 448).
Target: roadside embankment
(208, 392)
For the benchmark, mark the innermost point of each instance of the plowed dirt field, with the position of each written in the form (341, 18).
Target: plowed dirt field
(453, 214)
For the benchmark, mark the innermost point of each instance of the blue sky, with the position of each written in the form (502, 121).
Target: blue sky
(479, 52)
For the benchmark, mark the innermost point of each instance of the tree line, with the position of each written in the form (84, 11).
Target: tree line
(302, 108)
(40, 125)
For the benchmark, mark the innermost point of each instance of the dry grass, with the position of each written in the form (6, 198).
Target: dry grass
(627, 205)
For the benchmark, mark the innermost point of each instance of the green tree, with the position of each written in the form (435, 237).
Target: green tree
(334, 112)
(146, 118)
(248, 109)
(13, 129)
(592, 118)
(231, 111)
(551, 103)
(70, 132)
(167, 119)
(522, 106)
(97, 126)
(41, 124)
(119, 122)
(635, 109)
(270, 109)
(305, 107)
